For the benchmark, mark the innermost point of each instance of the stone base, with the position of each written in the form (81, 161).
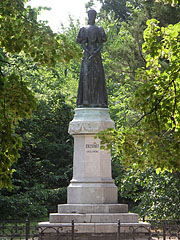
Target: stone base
(95, 231)
(93, 213)
(84, 236)
(94, 222)
(93, 217)
(91, 193)
(92, 208)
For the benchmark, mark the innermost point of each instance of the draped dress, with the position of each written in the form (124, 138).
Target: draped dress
(92, 87)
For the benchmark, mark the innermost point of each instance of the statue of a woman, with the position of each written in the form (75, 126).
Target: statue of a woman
(92, 86)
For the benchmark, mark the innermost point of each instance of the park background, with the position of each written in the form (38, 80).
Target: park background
(38, 87)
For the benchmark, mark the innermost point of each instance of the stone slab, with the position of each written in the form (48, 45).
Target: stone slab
(95, 231)
(94, 236)
(94, 217)
(140, 227)
(92, 193)
(92, 208)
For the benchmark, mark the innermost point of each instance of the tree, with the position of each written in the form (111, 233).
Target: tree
(21, 33)
(153, 136)
(44, 167)
(122, 9)
(150, 194)
(16, 102)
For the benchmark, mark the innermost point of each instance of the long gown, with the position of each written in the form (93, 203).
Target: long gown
(92, 87)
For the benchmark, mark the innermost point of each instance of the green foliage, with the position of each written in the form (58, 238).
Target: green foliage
(22, 34)
(20, 31)
(138, 12)
(156, 194)
(37, 201)
(172, 2)
(149, 132)
(16, 103)
(122, 9)
(47, 145)
(158, 98)
(44, 167)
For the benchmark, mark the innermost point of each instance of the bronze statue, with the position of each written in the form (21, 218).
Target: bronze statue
(92, 86)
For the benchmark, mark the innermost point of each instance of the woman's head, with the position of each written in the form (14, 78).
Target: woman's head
(91, 16)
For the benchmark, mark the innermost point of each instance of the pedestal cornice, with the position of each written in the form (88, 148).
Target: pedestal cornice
(90, 121)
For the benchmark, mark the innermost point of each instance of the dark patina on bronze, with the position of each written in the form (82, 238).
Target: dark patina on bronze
(92, 87)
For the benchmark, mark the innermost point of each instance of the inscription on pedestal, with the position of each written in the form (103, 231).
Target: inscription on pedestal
(92, 147)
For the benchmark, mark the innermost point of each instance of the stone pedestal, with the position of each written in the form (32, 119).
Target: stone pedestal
(92, 181)
(92, 194)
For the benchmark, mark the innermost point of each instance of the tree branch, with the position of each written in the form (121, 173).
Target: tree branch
(139, 48)
(157, 120)
(156, 106)
(1, 60)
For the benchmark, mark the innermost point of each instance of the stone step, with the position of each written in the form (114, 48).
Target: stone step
(95, 231)
(140, 227)
(92, 208)
(93, 217)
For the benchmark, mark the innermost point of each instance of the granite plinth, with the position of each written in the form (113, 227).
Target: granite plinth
(91, 193)
(92, 208)
(98, 227)
(95, 231)
(93, 217)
